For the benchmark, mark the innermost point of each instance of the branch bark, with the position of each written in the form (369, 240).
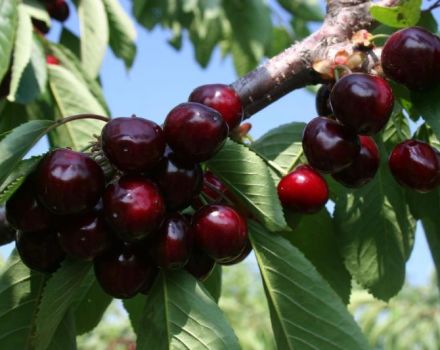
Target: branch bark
(292, 69)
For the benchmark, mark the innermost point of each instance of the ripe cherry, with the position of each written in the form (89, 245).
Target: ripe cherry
(51, 59)
(172, 244)
(122, 271)
(40, 26)
(362, 102)
(363, 168)
(328, 145)
(223, 99)
(304, 190)
(195, 132)
(323, 101)
(7, 233)
(220, 231)
(39, 251)
(133, 207)
(58, 9)
(411, 57)
(152, 275)
(178, 181)
(200, 265)
(69, 182)
(24, 212)
(415, 164)
(247, 250)
(133, 144)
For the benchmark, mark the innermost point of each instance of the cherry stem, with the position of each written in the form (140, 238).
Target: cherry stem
(337, 71)
(380, 36)
(434, 6)
(220, 193)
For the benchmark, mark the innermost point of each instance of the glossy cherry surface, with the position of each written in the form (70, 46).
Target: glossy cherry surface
(364, 167)
(195, 132)
(7, 232)
(133, 207)
(411, 57)
(303, 190)
(172, 243)
(223, 99)
(200, 265)
(69, 182)
(362, 102)
(244, 254)
(58, 9)
(178, 181)
(322, 102)
(328, 145)
(39, 251)
(220, 231)
(122, 271)
(415, 164)
(133, 144)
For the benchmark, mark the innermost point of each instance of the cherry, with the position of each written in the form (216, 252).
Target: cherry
(220, 231)
(323, 101)
(58, 9)
(172, 243)
(69, 182)
(23, 211)
(195, 132)
(363, 168)
(39, 251)
(200, 265)
(40, 26)
(179, 181)
(7, 233)
(415, 164)
(213, 189)
(51, 59)
(223, 99)
(411, 57)
(122, 271)
(303, 190)
(133, 144)
(133, 207)
(247, 250)
(152, 274)
(362, 102)
(84, 236)
(328, 145)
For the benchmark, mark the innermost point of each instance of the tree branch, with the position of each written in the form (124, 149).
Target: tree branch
(292, 69)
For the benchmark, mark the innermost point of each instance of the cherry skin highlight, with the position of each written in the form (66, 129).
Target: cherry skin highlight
(362, 102)
(200, 265)
(364, 167)
(133, 207)
(322, 101)
(416, 165)
(304, 190)
(328, 145)
(195, 132)
(133, 144)
(223, 99)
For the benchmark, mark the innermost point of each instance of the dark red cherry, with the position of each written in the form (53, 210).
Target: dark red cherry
(58, 9)
(172, 244)
(40, 26)
(122, 271)
(415, 164)
(362, 102)
(223, 99)
(363, 168)
(133, 207)
(322, 102)
(244, 254)
(152, 275)
(220, 231)
(411, 57)
(304, 190)
(178, 181)
(84, 236)
(69, 182)
(200, 265)
(51, 59)
(7, 232)
(195, 132)
(133, 144)
(24, 212)
(39, 251)
(328, 145)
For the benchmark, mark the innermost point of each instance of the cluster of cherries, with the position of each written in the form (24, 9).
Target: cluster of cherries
(156, 208)
(339, 142)
(57, 9)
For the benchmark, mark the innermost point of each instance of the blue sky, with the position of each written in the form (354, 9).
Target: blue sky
(162, 78)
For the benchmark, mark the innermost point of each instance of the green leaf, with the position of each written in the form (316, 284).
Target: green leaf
(306, 313)
(281, 40)
(122, 32)
(248, 177)
(72, 97)
(213, 283)
(407, 14)
(69, 41)
(65, 335)
(135, 309)
(11, 116)
(179, 314)
(308, 10)
(59, 294)
(428, 105)
(20, 293)
(17, 143)
(243, 60)
(8, 25)
(36, 9)
(94, 35)
(316, 237)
